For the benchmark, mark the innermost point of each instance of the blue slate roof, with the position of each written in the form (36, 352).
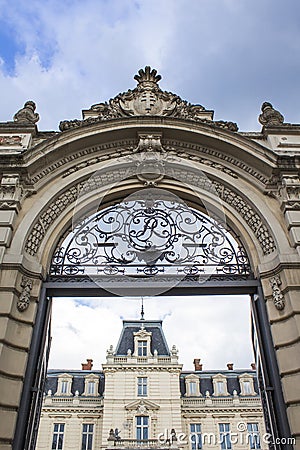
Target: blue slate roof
(77, 382)
(206, 383)
(158, 340)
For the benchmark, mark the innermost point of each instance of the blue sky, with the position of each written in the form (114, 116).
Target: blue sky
(229, 55)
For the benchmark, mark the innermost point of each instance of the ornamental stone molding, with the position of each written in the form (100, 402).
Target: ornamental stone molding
(147, 99)
(278, 297)
(60, 203)
(24, 299)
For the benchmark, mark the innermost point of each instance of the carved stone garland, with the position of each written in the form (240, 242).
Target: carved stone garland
(24, 299)
(278, 296)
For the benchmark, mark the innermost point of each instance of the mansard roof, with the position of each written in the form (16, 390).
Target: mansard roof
(206, 380)
(158, 340)
(78, 380)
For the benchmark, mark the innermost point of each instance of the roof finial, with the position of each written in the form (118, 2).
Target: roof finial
(142, 309)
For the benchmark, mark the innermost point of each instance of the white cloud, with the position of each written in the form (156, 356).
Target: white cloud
(215, 329)
(222, 54)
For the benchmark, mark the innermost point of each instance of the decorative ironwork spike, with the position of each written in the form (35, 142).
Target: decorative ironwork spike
(142, 310)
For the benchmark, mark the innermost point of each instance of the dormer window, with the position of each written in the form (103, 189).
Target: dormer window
(220, 385)
(246, 384)
(142, 343)
(192, 385)
(64, 384)
(91, 384)
(142, 348)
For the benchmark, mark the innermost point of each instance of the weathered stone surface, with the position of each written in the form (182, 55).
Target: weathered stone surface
(147, 99)
(27, 114)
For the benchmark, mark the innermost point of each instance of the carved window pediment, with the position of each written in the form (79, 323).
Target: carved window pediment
(144, 404)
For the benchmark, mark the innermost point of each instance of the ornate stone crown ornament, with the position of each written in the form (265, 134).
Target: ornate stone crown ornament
(147, 99)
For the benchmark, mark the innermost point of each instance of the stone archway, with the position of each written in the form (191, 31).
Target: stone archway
(146, 137)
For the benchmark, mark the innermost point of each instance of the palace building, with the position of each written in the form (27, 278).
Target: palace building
(143, 399)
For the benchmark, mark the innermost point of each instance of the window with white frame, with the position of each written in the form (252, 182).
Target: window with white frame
(58, 436)
(247, 387)
(247, 384)
(142, 428)
(87, 436)
(142, 386)
(142, 348)
(253, 435)
(64, 387)
(220, 384)
(225, 441)
(220, 387)
(195, 436)
(91, 384)
(64, 384)
(192, 385)
(91, 387)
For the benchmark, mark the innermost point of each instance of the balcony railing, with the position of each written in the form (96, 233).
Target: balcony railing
(143, 444)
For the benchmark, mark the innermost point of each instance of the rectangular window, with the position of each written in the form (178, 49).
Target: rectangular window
(142, 348)
(91, 387)
(58, 436)
(64, 387)
(142, 386)
(220, 387)
(196, 437)
(142, 428)
(253, 435)
(192, 387)
(247, 388)
(225, 440)
(87, 436)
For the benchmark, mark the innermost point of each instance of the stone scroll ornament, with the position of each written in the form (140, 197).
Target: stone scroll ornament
(278, 297)
(24, 300)
(147, 99)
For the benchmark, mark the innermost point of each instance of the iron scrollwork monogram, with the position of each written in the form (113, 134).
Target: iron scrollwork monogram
(146, 238)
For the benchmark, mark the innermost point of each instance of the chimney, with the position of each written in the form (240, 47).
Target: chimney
(88, 365)
(230, 366)
(197, 364)
(253, 366)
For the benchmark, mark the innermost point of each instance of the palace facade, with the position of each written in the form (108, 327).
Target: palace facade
(143, 399)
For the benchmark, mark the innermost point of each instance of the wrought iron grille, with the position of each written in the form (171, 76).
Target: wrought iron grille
(145, 238)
